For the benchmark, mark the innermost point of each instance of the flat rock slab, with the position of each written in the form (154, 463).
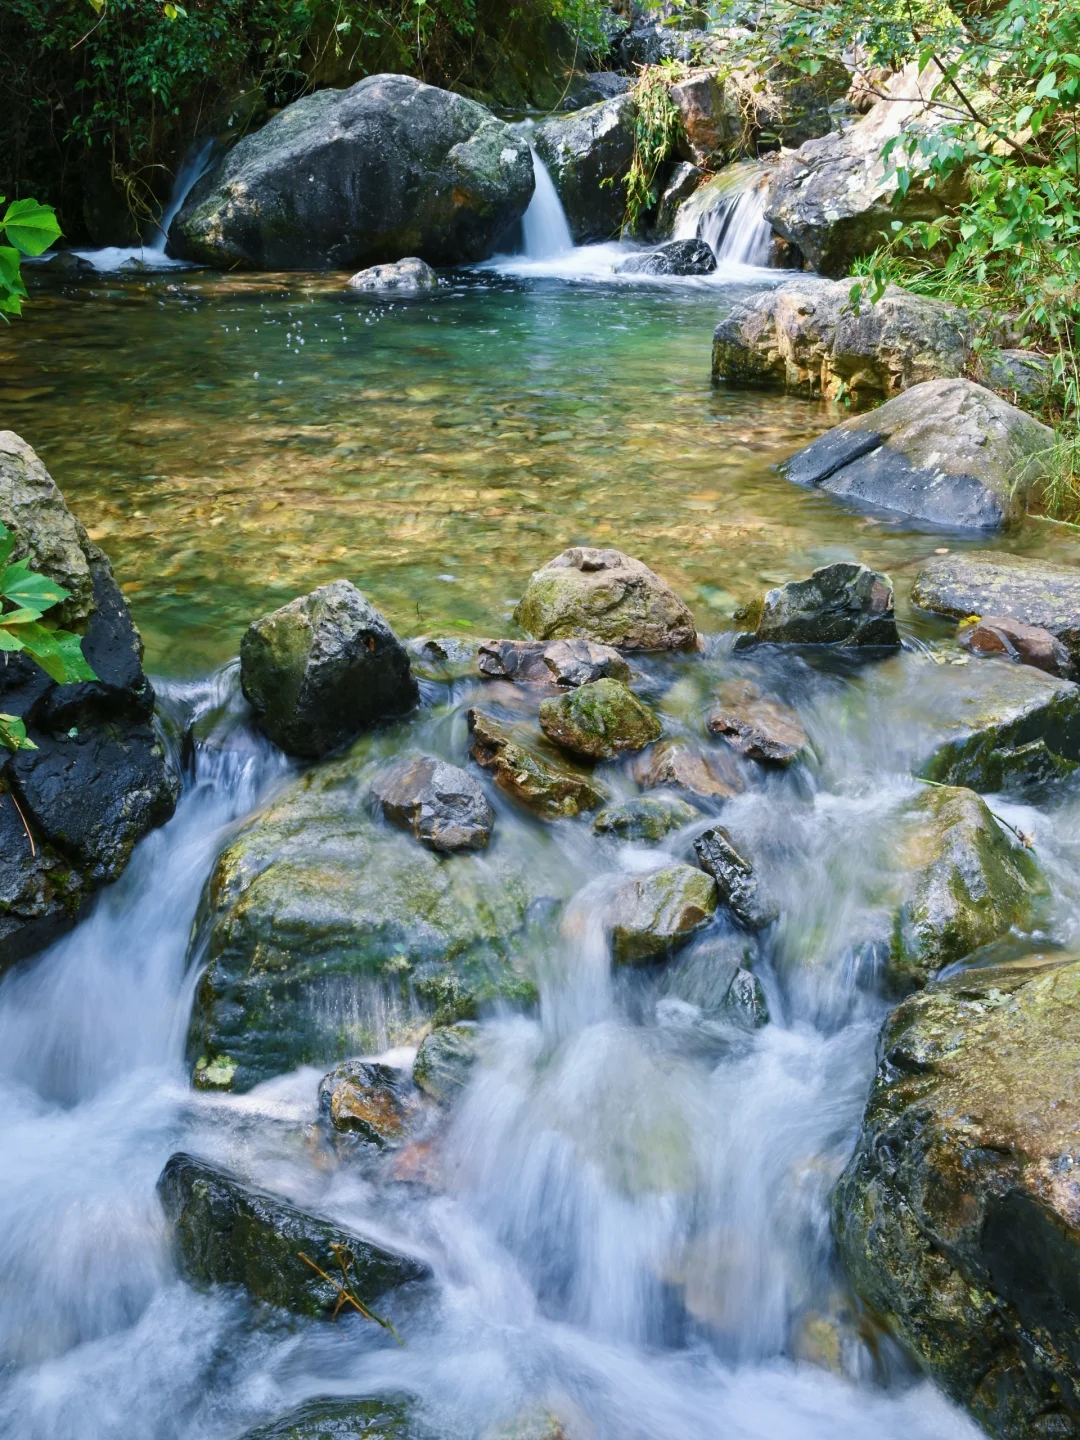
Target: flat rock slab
(227, 1232)
(551, 788)
(992, 582)
(442, 805)
(707, 775)
(957, 1216)
(1026, 644)
(948, 452)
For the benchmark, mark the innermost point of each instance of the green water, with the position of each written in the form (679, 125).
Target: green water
(434, 451)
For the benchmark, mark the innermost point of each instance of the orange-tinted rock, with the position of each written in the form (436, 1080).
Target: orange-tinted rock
(1028, 644)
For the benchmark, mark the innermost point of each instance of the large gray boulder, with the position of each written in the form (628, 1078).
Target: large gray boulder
(349, 178)
(71, 810)
(322, 669)
(835, 199)
(957, 1216)
(807, 336)
(588, 154)
(947, 451)
(990, 582)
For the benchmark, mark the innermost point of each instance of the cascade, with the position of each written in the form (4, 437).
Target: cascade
(730, 217)
(545, 230)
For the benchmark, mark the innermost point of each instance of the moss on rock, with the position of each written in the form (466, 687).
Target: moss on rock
(599, 720)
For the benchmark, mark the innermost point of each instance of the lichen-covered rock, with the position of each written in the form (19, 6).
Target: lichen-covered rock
(589, 153)
(958, 1215)
(651, 915)
(225, 1232)
(1002, 727)
(736, 883)
(677, 257)
(546, 662)
(648, 818)
(1026, 644)
(760, 729)
(445, 1060)
(842, 604)
(990, 582)
(712, 775)
(947, 451)
(366, 1099)
(835, 198)
(386, 1418)
(606, 596)
(325, 933)
(348, 178)
(410, 276)
(967, 884)
(442, 805)
(322, 669)
(98, 780)
(599, 720)
(808, 336)
(550, 787)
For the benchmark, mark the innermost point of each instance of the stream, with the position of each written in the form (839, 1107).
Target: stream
(629, 1217)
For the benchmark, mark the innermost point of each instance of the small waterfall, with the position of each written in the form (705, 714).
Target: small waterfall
(728, 213)
(544, 226)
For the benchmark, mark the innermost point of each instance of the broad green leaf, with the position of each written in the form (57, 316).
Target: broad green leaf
(21, 616)
(76, 665)
(13, 734)
(41, 645)
(9, 642)
(7, 544)
(1046, 85)
(22, 586)
(30, 226)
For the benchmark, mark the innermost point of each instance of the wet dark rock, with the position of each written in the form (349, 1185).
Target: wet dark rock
(650, 916)
(441, 804)
(322, 669)
(1026, 644)
(808, 336)
(967, 885)
(545, 662)
(343, 179)
(606, 596)
(445, 1060)
(320, 927)
(957, 1215)
(366, 1099)
(677, 257)
(442, 657)
(550, 787)
(990, 582)
(842, 604)
(1003, 727)
(649, 44)
(594, 87)
(98, 780)
(386, 1418)
(712, 775)
(702, 974)
(736, 883)
(946, 451)
(835, 198)
(648, 818)
(225, 1232)
(681, 183)
(758, 728)
(745, 1000)
(710, 121)
(588, 154)
(405, 277)
(599, 720)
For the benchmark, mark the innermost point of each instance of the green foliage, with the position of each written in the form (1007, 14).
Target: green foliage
(25, 596)
(656, 129)
(30, 229)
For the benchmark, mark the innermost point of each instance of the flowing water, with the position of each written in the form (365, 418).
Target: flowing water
(627, 1215)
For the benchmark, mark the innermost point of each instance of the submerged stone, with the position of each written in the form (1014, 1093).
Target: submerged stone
(712, 775)
(322, 669)
(445, 1060)
(227, 1232)
(649, 818)
(760, 729)
(561, 662)
(652, 915)
(323, 931)
(736, 884)
(367, 1099)
(550, 788)
(842, 604)
(606, 596)
(441, 804)
(599, 720)
(957, 1215)
(385, 1418)
(967, 886)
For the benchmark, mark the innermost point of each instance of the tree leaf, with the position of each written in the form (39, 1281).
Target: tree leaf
(8, 642)
(22, 586)
(30, 226)
(13, 734)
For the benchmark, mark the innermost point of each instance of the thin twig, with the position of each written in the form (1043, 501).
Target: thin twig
(345, 1294)
(25, 826)
(1026, 840)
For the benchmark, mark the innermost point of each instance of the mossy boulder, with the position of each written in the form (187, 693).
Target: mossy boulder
(225, 1232)
(547, 784)
(606, 596)
(589, 153)
(968, 884)
(958, 1215)
(386, 1418)
(648, 818)
(599, 720)
(445, 1060)
(326, 934)
(650, 916)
